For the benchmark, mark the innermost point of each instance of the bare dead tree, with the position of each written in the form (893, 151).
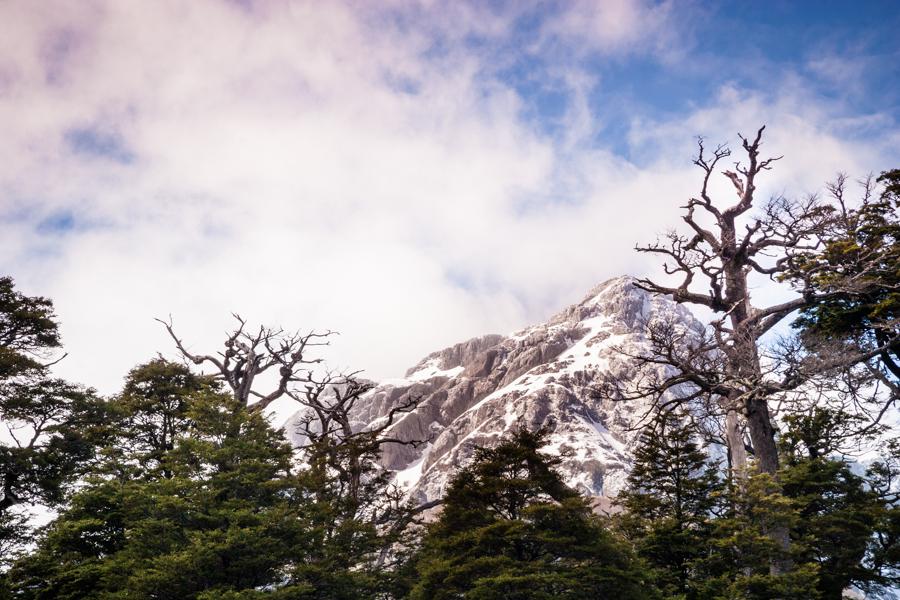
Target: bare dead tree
(341, 453)
(678, 368)
(715, 261)
(249, 354)
(722, 257)
(845, 376)
(346, 452)
(329, 426)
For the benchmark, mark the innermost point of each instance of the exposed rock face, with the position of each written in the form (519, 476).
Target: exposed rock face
(476, 392)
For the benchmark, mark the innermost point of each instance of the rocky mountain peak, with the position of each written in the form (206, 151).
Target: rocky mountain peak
(475, 392)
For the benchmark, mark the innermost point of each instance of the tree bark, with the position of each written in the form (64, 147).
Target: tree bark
(737, 453)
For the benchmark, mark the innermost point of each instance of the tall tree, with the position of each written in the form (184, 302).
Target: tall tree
(838, 509)
(49, 425)
(511, 529)
(723, 255)
(359, 522)
(743, 549)
(220, 516)
(673, 493)
(356, 515)
(856, 274)
(29, 333)
(728, 368)
(703, 538)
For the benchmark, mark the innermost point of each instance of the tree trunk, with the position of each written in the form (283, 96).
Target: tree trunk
(762, 435)
(743, 357)
(737, 453)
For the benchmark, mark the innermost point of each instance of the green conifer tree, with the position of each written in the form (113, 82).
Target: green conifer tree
(218, 516)
(198, 497)
(151, 412)
(511, 529)
(839, 510)
(51, 427)
(856, 270)
(739, 564)
(673, 491)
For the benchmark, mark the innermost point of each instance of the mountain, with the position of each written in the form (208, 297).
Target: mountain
(475, 392)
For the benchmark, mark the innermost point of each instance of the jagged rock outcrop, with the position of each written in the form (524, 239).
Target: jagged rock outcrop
(475, 392)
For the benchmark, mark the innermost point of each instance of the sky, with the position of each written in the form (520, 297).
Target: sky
(407, 173)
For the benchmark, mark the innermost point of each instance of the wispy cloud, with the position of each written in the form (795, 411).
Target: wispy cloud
(615, 26)
(409, 175)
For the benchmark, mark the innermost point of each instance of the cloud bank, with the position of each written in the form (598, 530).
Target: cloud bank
(409, 175)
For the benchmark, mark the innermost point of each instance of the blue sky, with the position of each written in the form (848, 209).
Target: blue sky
(410, 173)
(845, 53)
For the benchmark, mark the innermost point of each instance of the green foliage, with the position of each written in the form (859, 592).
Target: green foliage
(883, 557)
(173, 489)
(151, 412)
(51, 426)
(510, 528)
(846, 523)
(857, 274)
(54, 425)
(843, 525)
(673, 492)
(28, 331)
(221, 519)
(745, 562)
(198, 497)
(838, 515)
(358, 525)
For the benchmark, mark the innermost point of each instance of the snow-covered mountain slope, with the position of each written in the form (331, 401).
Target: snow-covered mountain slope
(476, 392)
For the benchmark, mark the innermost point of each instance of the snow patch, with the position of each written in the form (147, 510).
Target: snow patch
(410, 476)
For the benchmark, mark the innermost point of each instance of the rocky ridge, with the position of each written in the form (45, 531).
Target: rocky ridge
(477, 391)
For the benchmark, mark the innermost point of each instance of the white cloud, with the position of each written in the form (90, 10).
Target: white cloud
(318, 165)
(614, 26)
